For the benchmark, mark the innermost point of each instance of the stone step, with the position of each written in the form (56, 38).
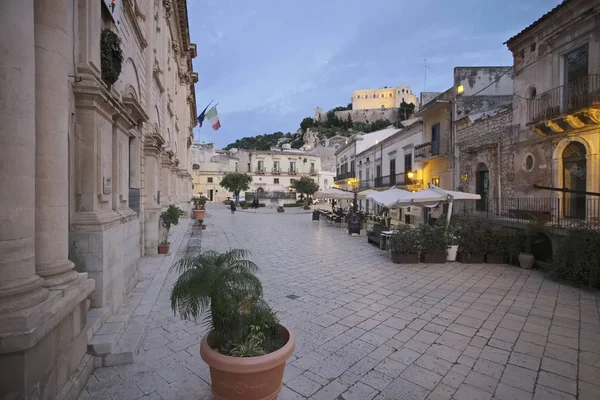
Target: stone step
(107, 337)
(95, 318)
(127, 347)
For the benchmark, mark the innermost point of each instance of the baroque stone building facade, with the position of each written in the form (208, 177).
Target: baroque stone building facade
(87, 168)
(485, 147)
(557, 109)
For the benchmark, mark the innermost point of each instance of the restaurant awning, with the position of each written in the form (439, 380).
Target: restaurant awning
(332, 193)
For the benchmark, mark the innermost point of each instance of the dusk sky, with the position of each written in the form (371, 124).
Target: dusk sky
(271, 63)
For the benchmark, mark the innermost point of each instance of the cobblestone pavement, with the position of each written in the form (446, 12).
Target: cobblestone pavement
(369, 329)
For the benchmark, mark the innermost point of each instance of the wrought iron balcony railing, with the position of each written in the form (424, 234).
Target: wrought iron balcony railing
(427, 150)
(345, 175)
(565, 99)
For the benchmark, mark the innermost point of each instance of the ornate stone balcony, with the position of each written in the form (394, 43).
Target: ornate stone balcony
(566, 108)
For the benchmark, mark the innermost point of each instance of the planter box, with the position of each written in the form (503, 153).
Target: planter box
(429, 258)
(280, 211)
(163, 248)
(494, 259)
(398, 258)
(467, 258)
(203, 227)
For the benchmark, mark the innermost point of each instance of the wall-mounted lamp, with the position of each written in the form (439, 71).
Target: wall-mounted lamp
(410, 175)
(460, 89)
(464, 177)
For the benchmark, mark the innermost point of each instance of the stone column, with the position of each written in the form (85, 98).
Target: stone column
(152, 172)
(20, 287)
(52, 55)
(165, 182)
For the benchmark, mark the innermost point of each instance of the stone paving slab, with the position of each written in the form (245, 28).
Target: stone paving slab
(370, 329)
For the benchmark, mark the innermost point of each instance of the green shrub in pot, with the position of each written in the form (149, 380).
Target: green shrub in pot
(435, 243)
(405, 244)
(494, 243)
(471, 247)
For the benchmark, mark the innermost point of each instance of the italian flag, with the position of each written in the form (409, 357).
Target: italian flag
(213, 118)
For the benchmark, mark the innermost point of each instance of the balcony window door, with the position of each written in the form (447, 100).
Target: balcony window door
(407, 164)
(574, 180)
(276, 166)
(378, 181)
(261, 166)
(292, 166)
(392, 172)
(435, 139)
(576, 78)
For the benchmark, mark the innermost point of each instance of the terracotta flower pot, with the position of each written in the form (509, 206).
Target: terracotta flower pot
(468, 258)
(246, 378)
(430, 258)
(163, 248)
(494, 259)
(199, 214)
(203, 227)
(280, 211)
(399, 258)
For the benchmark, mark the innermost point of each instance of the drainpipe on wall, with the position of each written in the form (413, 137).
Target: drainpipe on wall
(451, 150)
(499, 176)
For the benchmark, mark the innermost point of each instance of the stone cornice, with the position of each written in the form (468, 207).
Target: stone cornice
(21, 330)
(89, 93)
(135, 109)
(134, 13)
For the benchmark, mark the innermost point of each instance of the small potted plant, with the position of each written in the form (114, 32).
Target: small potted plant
(453, 234)
(280, 209)
(405, 245)
(168, 218)
(306, 206)
(202, 225)
(246, 347)
(435, 244)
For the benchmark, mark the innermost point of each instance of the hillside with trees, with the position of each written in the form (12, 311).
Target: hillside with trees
(329, 128)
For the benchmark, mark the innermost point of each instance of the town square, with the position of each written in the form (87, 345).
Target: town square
(316, 200)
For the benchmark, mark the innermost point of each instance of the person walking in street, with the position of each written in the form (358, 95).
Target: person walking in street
(232, 207)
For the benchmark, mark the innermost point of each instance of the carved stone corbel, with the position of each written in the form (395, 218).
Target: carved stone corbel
(574, 121)
(168, 6)
(554, 126)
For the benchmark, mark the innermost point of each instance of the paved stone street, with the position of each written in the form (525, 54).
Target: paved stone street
(369, 329)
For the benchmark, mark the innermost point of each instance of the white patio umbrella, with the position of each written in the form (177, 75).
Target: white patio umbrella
(433, 196)
(365, 193)
(389, 198)
(332, 193)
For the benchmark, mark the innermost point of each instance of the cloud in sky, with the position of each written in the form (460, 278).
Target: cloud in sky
(269, 64)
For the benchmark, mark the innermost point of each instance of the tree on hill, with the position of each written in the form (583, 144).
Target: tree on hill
(236, 182)
(306, 123)
(405, 111)
(305, 185)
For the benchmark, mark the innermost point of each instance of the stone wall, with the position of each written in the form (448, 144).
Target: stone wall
(373, 115)
(109, 256)
(490, 142)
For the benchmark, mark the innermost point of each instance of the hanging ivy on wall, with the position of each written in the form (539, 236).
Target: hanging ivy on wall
(111, 61)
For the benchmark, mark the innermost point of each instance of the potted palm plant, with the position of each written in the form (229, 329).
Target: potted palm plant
(435, 244)
(280, 209)
(405, 245)
(168, 218)
(199, 206)
(246, 347)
